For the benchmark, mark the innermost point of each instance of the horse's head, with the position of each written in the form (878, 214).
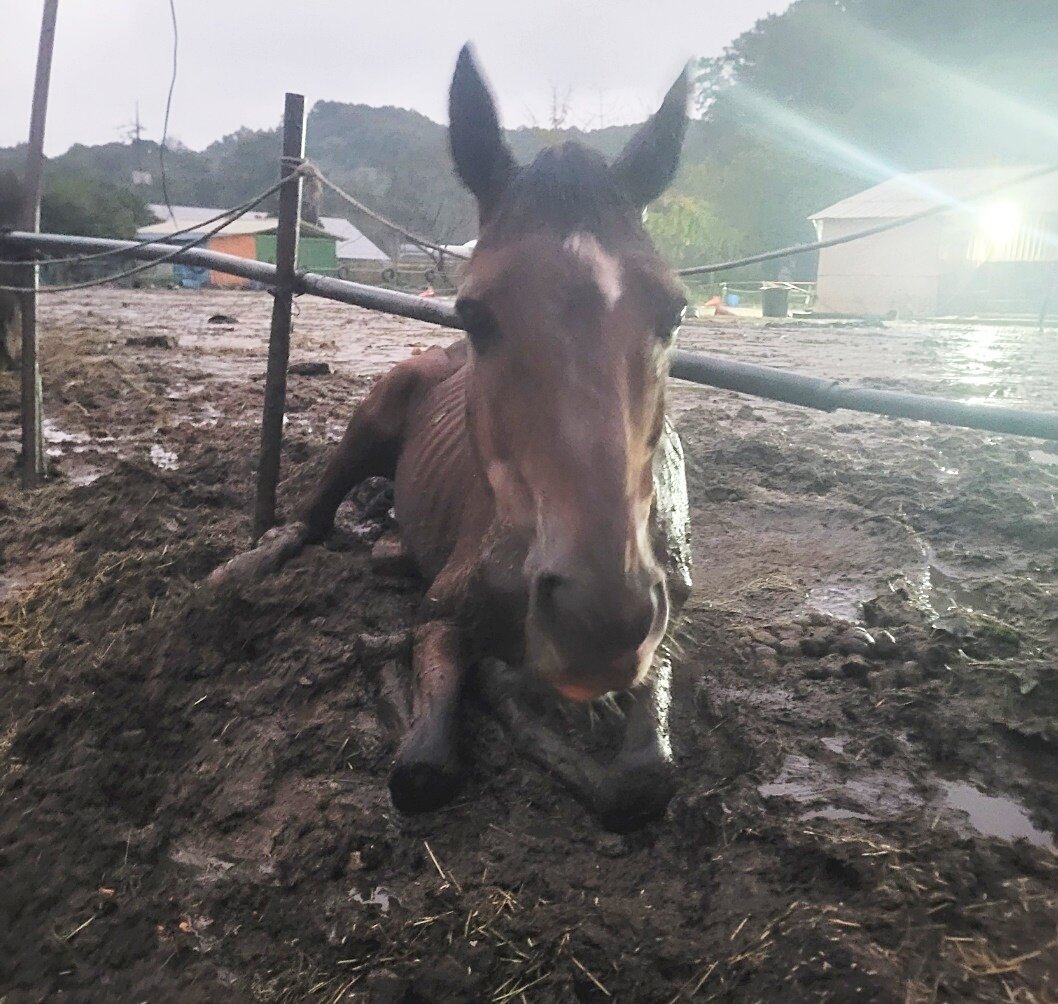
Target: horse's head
(570, 314)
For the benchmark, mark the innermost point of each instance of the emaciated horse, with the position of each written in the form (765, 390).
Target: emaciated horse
(523, 456)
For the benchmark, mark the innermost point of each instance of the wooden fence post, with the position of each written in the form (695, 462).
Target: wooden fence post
(33, 458)
(279, 340)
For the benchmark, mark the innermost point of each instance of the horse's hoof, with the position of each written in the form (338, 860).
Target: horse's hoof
(421, 786)
(629, 799)
(273, 550)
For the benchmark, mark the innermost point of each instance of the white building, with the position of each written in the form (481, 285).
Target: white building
(353, 246)
(997, 254)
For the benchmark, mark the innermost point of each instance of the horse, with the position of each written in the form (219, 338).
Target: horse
(539, 489)
(10, 275)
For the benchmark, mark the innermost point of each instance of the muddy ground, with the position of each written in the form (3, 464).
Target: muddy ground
(192, 793)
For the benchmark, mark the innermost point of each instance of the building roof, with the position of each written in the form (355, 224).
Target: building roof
(352, 245)
(196, 214)
(906, 194)
(414, 253)
(188, 217)
(464, 249)
(241, 226)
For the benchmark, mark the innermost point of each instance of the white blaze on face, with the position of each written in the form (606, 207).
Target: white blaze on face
(605, 268)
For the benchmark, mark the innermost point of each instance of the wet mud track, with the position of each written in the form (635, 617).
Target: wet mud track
(192, 792)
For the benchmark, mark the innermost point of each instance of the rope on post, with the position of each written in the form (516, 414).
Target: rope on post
(417, 239)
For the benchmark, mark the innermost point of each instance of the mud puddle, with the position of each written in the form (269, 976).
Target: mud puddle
(936, 587)
(378, 896)
(994, 815)
(1044, 457)
(947, 593)
(840, 599)
(823, 793)
(162, 458)
(83, 458)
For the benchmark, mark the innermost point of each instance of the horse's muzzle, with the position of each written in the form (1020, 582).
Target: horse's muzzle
(591, 638)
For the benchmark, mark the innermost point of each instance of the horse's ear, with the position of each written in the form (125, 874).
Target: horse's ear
(483, 161)
(648, 163)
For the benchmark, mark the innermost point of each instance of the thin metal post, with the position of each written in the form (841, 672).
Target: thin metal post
(33, 460)
(279, 340)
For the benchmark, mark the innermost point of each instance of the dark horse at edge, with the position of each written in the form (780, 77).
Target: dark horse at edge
(539, 489)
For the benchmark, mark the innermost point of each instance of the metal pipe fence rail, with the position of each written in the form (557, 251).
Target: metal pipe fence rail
(716, 371)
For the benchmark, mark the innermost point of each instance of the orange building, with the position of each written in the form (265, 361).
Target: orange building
(251, 236)
(241, 245)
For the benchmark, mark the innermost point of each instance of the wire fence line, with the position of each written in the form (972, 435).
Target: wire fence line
(128, 273)
(168, 108)
(304, 169)
(724, 266)
(234, 213)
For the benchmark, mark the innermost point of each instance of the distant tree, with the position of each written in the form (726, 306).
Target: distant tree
(71, 205)
(90, 208)
(555, 129)
(686, 231)
(832, 96)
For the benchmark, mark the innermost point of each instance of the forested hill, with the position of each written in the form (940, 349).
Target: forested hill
(392, 159)
(805, 108)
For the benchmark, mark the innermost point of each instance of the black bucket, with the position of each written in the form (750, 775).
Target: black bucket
(775, 301)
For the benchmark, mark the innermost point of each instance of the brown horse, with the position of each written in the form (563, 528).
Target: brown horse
(10, 200)
(524, 456)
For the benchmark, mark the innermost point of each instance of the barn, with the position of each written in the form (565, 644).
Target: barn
(996, 255)
(253, 235)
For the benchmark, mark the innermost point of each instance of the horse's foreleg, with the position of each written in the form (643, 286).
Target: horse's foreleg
(273, 551)
(638, 785)
(501, 686)
(631, 791)
(427, 770)
(370, 446)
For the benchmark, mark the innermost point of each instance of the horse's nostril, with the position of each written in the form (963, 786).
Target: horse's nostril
(547, 585)
(641, 620)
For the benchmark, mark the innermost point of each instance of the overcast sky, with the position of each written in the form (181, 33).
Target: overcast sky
(615, 58)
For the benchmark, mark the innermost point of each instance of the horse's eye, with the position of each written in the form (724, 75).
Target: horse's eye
(480, 325)
(667, 328)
